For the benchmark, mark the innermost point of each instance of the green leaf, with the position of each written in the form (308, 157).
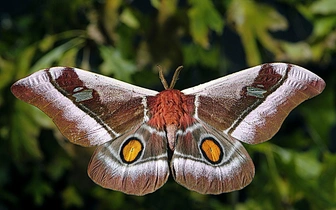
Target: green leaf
(58, 166)
(297, 52)
(115, 64)
(110, 198)
(72, 198)
(194, 55)
(324, 111)
(323, 7)
(166, 9)
(203, 16)
(39, 189)
(129, 19)
(7, 70)
(54, 55)
(323, 26)
(68, 58)
(47, 43)
(24, 132)
(155, 3)
(307, 165)
(253, 21)
(110, 17)
(24, 61)
(327, 179)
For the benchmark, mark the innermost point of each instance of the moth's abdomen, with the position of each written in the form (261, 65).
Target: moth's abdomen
(171, 107)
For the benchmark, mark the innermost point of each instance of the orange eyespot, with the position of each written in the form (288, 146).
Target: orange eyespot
(211, 150)
(131, 150)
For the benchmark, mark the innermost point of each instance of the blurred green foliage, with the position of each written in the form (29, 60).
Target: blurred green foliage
(126, 39)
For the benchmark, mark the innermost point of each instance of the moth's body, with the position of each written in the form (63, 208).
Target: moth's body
(170, 111)
(202, 126)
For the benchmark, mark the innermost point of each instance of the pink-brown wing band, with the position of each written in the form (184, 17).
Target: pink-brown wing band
(89, 109)
(251, 105)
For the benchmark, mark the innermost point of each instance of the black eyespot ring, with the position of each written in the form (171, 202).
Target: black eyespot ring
(211, 150)
(131, 150)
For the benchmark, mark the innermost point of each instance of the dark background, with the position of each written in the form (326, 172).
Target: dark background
(126, 40)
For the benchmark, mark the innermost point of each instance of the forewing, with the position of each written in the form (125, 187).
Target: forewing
(251, 105)
(89, 109)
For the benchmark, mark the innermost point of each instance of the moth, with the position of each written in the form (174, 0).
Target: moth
(195, 134)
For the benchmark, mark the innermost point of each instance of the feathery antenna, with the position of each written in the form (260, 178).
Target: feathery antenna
(174, 79)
